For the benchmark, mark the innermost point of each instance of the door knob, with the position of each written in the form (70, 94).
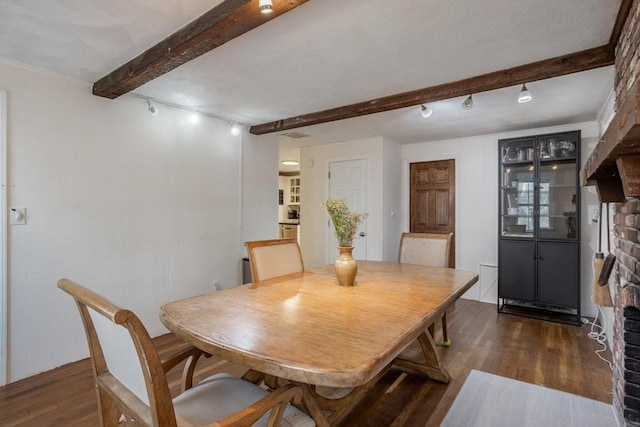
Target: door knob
(362, 234)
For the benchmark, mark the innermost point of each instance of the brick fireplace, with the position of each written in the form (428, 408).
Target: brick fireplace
(626, 340)
(614, 168)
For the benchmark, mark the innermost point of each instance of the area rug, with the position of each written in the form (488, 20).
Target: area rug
(490, 400)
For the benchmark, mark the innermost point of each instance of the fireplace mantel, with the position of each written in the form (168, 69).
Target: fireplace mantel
(614, 165)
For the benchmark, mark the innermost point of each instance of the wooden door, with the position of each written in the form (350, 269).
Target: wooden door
(433, 198)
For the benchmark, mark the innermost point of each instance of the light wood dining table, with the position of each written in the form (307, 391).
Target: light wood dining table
(306, 329)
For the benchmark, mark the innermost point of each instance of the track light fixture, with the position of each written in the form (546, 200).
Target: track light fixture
(266, 6)
(468, 103)
(425, 110)
(525, 95)
(234, 129)
(153, 110)
(193, 116)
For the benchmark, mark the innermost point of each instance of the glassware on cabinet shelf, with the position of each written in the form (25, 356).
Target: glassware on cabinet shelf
(557, 148)
(517, 154)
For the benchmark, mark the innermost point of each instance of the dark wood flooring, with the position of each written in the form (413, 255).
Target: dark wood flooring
(544, 353)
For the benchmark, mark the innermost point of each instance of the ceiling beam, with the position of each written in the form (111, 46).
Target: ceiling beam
(226, 21)
(540, 70)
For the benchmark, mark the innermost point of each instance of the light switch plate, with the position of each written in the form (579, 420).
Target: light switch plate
(17, 216)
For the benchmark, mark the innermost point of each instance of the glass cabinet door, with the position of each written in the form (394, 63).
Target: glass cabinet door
(557, 217)
(517, 190)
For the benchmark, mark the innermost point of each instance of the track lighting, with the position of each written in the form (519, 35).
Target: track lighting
(468, 103)
(193, 116)
(266, 6)
(426, 111)
(525, 95)
(153, 110)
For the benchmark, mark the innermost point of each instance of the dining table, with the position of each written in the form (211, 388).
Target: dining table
(334, 341)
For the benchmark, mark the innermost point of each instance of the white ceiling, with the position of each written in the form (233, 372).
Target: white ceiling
(329, 53)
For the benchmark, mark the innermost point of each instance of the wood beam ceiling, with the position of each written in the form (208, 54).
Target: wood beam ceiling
(554, 67)
(226, 21)
(601, 56)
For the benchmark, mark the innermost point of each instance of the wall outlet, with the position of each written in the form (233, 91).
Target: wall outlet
(215, 283)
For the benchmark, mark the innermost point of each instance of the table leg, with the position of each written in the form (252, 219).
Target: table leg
(313, 409)
(430, 364)
(253, 376)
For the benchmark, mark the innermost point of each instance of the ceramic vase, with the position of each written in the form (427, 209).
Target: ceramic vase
(346, 267)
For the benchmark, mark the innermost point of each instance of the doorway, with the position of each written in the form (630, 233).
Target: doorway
(348, 180)
(432, 199)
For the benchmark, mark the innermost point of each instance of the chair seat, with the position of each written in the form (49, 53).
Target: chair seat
(223, 395)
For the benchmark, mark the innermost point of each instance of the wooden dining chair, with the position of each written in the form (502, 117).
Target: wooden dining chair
(274, 258)
(431, 249)
(131, 385)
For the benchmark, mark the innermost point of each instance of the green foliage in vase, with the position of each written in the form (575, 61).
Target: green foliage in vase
(345, 223)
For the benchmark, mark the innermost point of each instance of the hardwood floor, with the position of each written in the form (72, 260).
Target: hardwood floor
(549, 354)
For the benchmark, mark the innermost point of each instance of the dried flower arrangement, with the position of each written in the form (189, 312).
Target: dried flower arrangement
(345, 223)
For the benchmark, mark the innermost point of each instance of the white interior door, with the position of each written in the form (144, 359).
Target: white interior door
(348, 180)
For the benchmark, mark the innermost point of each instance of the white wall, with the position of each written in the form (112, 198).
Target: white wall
(391, 199)
(259, 188)
(477, 197)
(143, 209)
(3, 238)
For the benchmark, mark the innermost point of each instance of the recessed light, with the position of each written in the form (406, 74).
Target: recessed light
(290, 162)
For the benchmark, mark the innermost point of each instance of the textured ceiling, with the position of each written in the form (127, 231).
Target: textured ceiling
(328, 53)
